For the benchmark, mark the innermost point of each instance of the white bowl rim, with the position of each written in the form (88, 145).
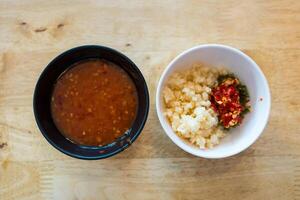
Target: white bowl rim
(180, 143)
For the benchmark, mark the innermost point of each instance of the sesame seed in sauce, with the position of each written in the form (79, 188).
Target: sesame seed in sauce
(78, 94)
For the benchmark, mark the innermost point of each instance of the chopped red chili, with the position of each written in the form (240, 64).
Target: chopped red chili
(226, 101)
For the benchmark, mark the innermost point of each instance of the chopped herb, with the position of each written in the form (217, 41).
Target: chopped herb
(222, 78)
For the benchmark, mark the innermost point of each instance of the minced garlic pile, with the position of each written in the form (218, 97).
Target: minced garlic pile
(188, 108)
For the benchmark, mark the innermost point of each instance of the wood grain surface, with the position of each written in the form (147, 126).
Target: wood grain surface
(151, 33)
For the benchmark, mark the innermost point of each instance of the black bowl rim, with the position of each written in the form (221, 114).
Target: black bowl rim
(100, 156)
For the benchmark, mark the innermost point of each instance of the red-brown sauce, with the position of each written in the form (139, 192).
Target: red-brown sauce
(94, 102)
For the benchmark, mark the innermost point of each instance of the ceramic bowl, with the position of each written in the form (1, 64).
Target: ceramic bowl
(241, 137)
(43, 92)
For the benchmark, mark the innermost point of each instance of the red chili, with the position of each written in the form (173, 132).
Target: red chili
(225, 100)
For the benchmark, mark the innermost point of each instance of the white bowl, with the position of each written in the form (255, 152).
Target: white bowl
(241, 137)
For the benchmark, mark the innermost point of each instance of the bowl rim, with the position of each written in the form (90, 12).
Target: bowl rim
(171, 134)
(100, 156)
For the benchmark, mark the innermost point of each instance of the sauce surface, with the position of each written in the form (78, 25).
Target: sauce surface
(94, 102)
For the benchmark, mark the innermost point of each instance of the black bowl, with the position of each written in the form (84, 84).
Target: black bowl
(43, 92)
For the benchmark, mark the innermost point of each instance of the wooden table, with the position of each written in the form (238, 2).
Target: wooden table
(151, 33)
